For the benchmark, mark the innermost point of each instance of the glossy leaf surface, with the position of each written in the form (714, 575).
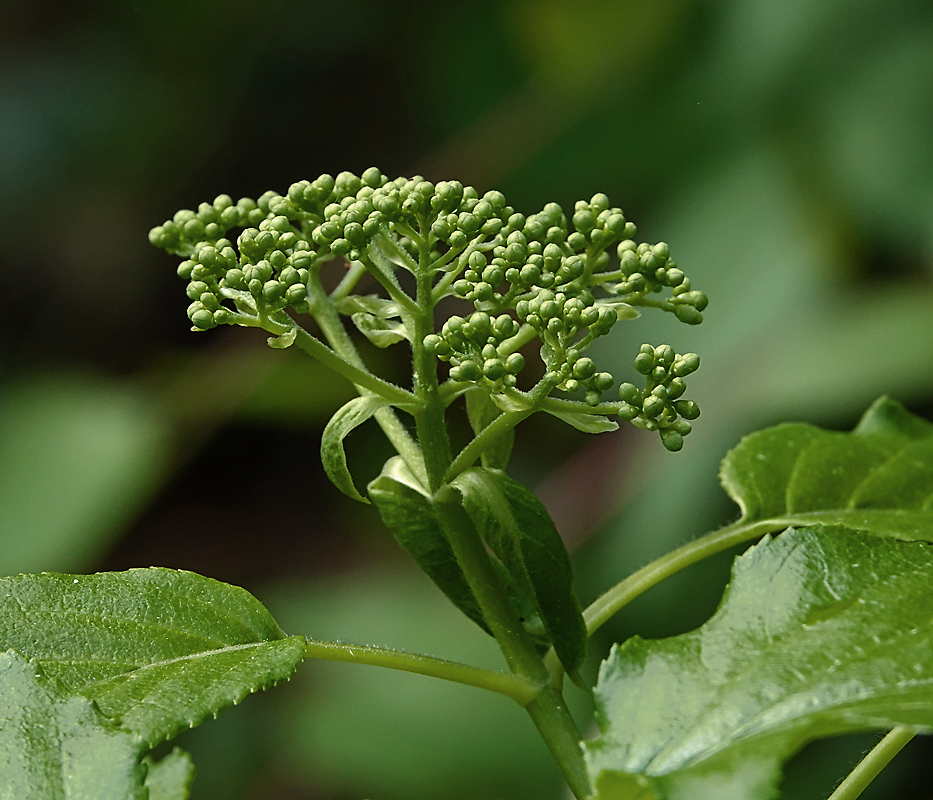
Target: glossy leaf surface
(821, 632)
(518, 529)
(878, 478)
(58, 747)
(158, 650)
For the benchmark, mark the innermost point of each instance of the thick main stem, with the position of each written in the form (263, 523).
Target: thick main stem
(548, 710)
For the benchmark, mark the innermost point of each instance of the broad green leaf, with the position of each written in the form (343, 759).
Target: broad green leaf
(518, 529)
(333, 457)
(408, 512)
(878, 478)
(58, 747)
(170, 778)
(481, 411)
(822, 631)
(588, 423)
(158, 650)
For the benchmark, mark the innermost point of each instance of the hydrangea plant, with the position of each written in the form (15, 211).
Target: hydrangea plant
(824, 628)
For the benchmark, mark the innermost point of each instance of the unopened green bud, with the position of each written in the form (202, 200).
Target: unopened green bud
(340, 247)
(467, 371)
(515, 363)
(676, 388)
(493, 369)
(644, 362)
(685, 364)
(603, 381)
(687, 409)
(672, 440)
(653, 406)
(688, 314)
(584, 368)
(273, 290)
(296, 293)
(681, 426)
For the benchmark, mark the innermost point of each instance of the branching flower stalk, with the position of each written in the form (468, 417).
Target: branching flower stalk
(406, 245)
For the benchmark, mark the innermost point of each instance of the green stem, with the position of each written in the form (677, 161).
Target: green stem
(615, 599)
(525, 334)
(348, 282)
(548, 711)
(429, 417)
(620, 595)
(470, 454)
(521, 690)
(336, 335)
(317, 349)
(868, 768)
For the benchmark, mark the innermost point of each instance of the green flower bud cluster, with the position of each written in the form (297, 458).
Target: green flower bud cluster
(473, 347)
(209, 224)
(659, 406)
(447, 212)
(544, 271)
(544, 276)
(269, 267)
(269, 272)
(648, 269)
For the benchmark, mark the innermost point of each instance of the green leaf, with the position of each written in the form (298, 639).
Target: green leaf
(481, 411)
(588, 423)
(368, 304)
(878, 478)
(381, 332)
(821, 632)
(56, 747)
(407, 511)
(287, 339)
(333, 457)
(170, 778)
(518, 529)
(158, 650)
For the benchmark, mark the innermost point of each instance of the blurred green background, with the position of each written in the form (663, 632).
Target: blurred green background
(784, 149)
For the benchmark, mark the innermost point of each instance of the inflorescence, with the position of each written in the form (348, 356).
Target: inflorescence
(564, 281)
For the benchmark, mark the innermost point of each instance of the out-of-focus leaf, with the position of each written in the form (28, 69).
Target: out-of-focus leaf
(822, 631)
(518, 529)
(55, 746)
(170, 778)
(878, 478)
(78, 456)
(333, 457)
(158, 650)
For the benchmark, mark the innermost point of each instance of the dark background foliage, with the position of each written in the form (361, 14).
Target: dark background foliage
(782, 148)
